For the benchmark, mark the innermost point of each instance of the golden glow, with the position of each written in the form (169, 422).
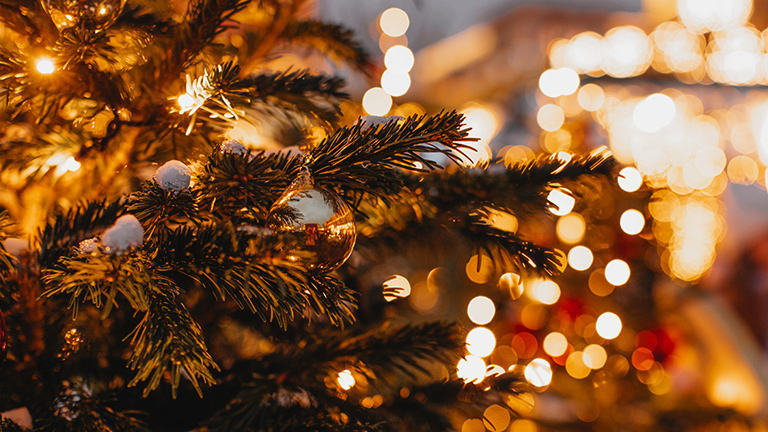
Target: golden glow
(395, 83)
(555, 344)
(608, 325)
(71, 164)
(471, 369)
(654, 112)
(394, 22)
(678, 49)
(45, 66)
(632, 222)
(479, 268)
(563, 201)
(591, 97)
(711, 15)
(546, 292)
(186, 101)
(399, 58)
(582, 52)
(734, 56)
(576, 367)
(481, 342)
(617, 272)
(550, 117)
(642, 359)
(595, 356)
(743, 170)
(511, 282)
(627, 51)
(559, 82)
(523, 426)
(538, 372)
(484, 120)
(630, 179)
(396, 287)
(580, 258)
(496, 419)
(481, 310)
(473, 425)
(571, 228)
(345, 379)
(377, 102)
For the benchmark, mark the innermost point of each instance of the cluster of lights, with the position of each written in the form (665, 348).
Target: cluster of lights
(398, 59)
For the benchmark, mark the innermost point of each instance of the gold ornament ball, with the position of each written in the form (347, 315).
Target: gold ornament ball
(92, 14)
(320, 221)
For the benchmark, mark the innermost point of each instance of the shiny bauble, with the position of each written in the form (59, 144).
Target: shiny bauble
(3, 338)
(319, 220)
(94, 15)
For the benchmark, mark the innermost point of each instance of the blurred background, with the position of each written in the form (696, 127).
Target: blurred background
(669, 264)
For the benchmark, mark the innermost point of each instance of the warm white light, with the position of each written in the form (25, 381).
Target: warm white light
(471, 369)
(627, 52)
(550, 117)
(45, 66)
(481, 342)
(583, 52)
(608, 325)
(395, 83)
(591, 97)
(396, 287)
(399, 59)
(654, 112)
(71, 164)
(186, 101)
(595, 356)
(580, 258)
(630, 179)
(538, 372)
(632, 222)
(617, 272)
(346, 380)
(710, 15)
(377, 102)
(481, 310)
(563, 202)
(555, 344)
(559, 82)
(394, 22)
(546, 292)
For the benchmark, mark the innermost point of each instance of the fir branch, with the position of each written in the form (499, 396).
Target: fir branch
(335, 41)
(77, 224)
(168, 340)
(79, 411)
(99, 278)
(203, 21)
(547, 169)
(159, 209)
(6, 259)
(6, 425)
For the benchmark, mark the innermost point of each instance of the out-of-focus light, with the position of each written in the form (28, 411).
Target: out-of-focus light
(546, 292)
(563, 202)
(496, 419)
(555, 344)
(679, 49)
(632, 222)
(395, 83)
(743, 170)
(595, 356)
(576, 367)
(642, 359)
(571, 228)
(45, 66)
(345, 379)
(617, 272)
(711, 15)
(481, 310)
(394, 22)
(654, 112)
(377, 102)
(591, 97)
(550, 117)
(608, 325)
(186, 101)
(735, 56)
(71, 164)
(511, 283)
(538, 372)
(580, 258)
(583, 52)
(559, 82)
(481, 342)
(627, 51)
(396, 287)
(484, 120)
(471, 369)
(630, 179)
(399, 59)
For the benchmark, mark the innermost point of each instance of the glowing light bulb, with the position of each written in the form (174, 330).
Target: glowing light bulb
(471, 369)
(71, 164)
(45, 66)
(345, 379)
(538, 372)
(481, 310)
(608, 325)
(563, 201)
(481, 342)
(399, 58)
(632, 221)
(186, 101)
(617, 272)
(395, 83)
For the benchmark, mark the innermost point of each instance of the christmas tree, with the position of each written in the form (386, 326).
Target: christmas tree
(159, 272)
